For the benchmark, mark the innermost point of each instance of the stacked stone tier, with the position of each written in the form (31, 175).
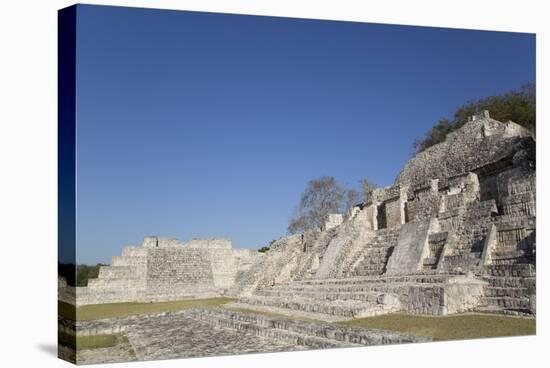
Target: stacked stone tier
(358, 297)
(510, 289)
(374, 258)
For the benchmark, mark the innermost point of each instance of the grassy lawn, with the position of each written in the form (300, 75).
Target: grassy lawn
(90, 342)
(100, 311)
(461, 326)
(96, 341)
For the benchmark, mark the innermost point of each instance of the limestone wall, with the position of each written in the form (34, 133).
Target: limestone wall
(476, 144)
(286, 259)
(178, 272)
(222, 261)
(412, 247)
(464, 206)
(166, 269)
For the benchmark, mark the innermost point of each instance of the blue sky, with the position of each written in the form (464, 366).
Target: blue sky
(198, 124)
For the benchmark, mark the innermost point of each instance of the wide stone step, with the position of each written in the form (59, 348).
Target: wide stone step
(368, 271)
(358, 280)
(129, 261)
(513, 260)
(113, 272)
(370, 267)
(507, 302)
(109, 296)
(279, 334)
(507, 292)
(116, 284)
(499, 310)
(510, 282)
(299, 289)
(512, 253)
(512, 270)
(342, 309)
(133, 251)
(312, 334)
(372, 297)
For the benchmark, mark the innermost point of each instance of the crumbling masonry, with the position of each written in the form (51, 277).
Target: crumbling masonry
(456, 232)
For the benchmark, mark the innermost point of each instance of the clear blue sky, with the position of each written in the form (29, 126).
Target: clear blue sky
(197, 124)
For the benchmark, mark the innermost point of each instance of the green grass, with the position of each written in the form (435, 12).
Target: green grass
(96, 341)
(90, 342)
(100, 311)
(461, 326)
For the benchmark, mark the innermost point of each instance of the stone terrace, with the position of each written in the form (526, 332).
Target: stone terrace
(358, 297)
(206, 332)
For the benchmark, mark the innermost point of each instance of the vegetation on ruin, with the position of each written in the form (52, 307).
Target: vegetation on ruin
(322, 197)
(80, 274)
(86, 272)
(89, 342)
(100, 311)
(518, 106)
(452, 327)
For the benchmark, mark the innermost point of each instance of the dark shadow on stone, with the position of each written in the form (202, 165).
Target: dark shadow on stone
(50, 349)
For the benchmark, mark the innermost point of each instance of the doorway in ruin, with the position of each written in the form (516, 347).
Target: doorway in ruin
(381, 216)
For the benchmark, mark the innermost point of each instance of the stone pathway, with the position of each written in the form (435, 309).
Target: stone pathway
(177, 335)
(204, 332)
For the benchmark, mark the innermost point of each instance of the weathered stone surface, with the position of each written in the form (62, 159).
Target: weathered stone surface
(164, 269)
(455, 233)
(207, 332)
(436, 218)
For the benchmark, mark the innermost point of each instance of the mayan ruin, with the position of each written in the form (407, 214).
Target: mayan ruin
(455, 233)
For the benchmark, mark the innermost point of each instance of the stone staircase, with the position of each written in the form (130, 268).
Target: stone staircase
(358, 297)
(373, 259)
(436, 242)
(314, 335)
(511, 276)
(510, 289)
(217, 331)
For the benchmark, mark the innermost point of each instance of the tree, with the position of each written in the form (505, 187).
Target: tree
(322, 197)
(85, 272)
(367, 187)
(436, 134)
(518, 106)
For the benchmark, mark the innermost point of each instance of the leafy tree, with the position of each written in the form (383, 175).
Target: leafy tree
(518, 106)
(435, 135)
(321, 197)
(85, 272)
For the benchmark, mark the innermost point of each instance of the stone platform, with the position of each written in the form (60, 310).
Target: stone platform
(208, 332)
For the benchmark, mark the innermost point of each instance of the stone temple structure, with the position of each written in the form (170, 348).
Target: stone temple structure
(455, 233)
(163, 269)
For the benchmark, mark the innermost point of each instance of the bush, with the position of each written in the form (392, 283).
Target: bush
(518, 106)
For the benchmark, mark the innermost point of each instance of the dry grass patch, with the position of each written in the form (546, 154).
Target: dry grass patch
(453, 327)
(100, 311)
